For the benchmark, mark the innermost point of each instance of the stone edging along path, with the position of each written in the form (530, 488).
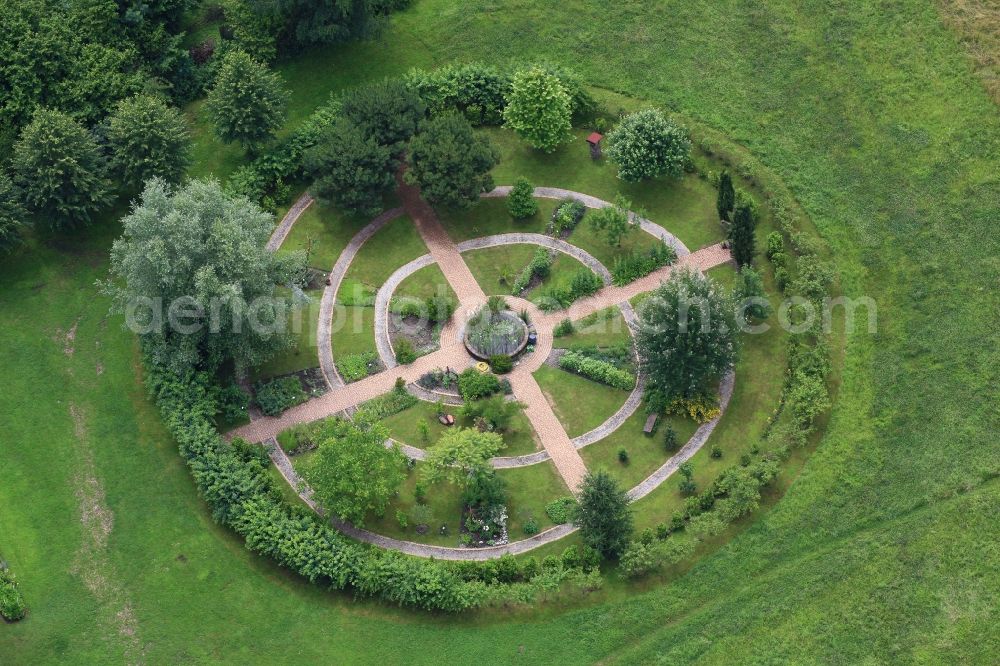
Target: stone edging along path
(430, 228)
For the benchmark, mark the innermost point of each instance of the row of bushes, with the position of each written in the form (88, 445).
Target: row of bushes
(12, 606)
(539, 267)
(597, 370)
(245, 498)
(584, 283)
(385, 405)
(635, 265)
(479, 91)
(734, 494)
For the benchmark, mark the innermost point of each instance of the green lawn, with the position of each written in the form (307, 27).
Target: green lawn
(490, 217)
(322, 232)
(879, 547)
(645, 453)
(529, 489)
(303, 352)
(395, 244)
(489, 264)
(605, 328)
(353, 330)
(580, 404)
(685, 206)
(426, 282)
(520, 438)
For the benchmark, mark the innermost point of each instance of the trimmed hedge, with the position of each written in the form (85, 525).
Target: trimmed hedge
(597, 370)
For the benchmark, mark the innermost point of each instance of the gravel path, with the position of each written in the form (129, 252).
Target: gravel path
(650, 227)
(327, 305)
(558, 244)
(383, 299)
(280, 232)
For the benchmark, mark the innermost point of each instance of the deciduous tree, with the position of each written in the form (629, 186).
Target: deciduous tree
(615, 222)
(12, 214)
(60, 169)
(687, 336)
(148, 138)
(247, 102)
(460, 454)
(539, 109)
(193, 276)
(646, 144)
(353, 473)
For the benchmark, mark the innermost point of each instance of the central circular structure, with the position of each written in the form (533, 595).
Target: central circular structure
(491, 333)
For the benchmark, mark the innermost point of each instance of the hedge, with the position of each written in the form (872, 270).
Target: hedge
(597, 370)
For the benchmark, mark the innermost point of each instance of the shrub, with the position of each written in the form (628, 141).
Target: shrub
(521, 201)
(561, 510)
(495, 412)
(700, 408)
(567, 216)
(475, 385)
(749, 294)
(405, 354)
(615, 221)
(277, 395)
(384, 406)
(501, 364)
(716, 451)
(12, 606)
(539, 266)
(623, 456)
(599, 371)
(531, 526)
(475, 90)
(585, 283)
(402, 519)
(440, 308)
(604, 515)
(781, 277)
(635, 265)
(775, 244)
(353, 367)
(563, 328)
(233, 403)
(670, 439)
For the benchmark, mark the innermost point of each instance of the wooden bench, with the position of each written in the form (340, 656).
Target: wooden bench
(650, 426)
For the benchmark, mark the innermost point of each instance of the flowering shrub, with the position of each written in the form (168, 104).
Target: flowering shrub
(702, 408)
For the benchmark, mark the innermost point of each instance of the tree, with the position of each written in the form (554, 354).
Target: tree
(349, 168)
(148, 138)
(727, 197)
(741, 231)
(460, 454)
(603, 515)
(386, 111)
(193, 276)
(646, 144)
(247, 102)
(749, 293)
(614, 221)
(539, 109)
(687, 336)
(12, 214)
(450, 162)
(60, 169)
(353, 473)
(521, 202)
